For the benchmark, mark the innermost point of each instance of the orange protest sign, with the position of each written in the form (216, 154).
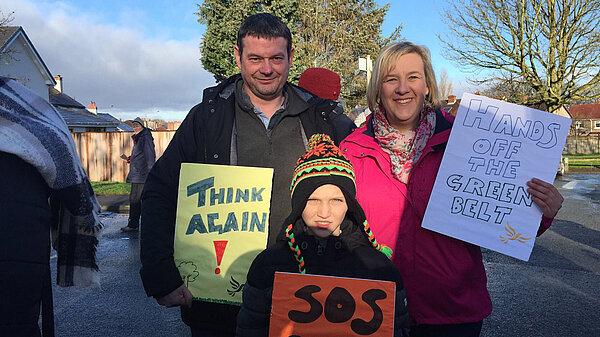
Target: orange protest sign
(315, 305)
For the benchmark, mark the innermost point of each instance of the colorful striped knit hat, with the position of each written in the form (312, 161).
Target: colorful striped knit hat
(324, 163)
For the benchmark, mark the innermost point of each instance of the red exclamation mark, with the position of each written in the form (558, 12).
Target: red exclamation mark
(219, 249)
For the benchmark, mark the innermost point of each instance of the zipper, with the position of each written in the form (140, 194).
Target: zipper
(319, 249)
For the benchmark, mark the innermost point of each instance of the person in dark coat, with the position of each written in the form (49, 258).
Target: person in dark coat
(141, 160)
(255, 118)
(325, 234)
(323, 83)
(39, 163)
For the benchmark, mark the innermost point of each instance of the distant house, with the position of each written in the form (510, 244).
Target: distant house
(77, 117)
(586, 118)
(121, 127)
(451, 104)
(173, 125)
(20, 61)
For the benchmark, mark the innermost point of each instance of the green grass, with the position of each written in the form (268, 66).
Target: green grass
(584, 160)
(111, 187)
(582, 156)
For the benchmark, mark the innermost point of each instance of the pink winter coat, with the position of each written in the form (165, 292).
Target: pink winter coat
(444, 278)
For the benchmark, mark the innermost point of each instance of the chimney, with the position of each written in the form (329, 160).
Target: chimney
(451, 99)
(92, 108)
(58, 85)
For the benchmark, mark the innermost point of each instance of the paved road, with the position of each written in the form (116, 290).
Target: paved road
(556, 293)
(119, 307)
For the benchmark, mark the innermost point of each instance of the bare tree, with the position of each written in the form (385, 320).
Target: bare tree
(551, 46)
(445, 84)
(5, 20)
(510, 89)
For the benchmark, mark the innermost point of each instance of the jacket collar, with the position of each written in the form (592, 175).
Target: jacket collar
(140, 134)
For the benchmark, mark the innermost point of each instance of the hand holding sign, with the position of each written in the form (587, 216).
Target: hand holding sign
(546, 196)
(314, 305)
(178, 297)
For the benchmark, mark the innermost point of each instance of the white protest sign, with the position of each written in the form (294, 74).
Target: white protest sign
(480, 193)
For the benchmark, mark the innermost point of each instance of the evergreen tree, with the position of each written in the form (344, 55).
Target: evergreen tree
(222, 19)
(331, 34)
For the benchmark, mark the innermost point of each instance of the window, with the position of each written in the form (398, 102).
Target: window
(596, 124)
(578, 125)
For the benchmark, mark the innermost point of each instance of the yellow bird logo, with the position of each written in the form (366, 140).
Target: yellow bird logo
(511, 235)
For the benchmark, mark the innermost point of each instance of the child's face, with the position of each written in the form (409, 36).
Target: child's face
(325, 210)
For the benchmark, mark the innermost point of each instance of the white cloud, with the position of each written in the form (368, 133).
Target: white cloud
(125, 73)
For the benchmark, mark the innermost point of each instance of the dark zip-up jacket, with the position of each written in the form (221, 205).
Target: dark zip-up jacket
(205, 136)
(348, 255)
(142, 157)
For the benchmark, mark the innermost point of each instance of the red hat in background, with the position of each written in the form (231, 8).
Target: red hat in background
(321, 82)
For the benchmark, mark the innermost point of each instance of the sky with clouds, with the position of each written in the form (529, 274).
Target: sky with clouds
(141, 58)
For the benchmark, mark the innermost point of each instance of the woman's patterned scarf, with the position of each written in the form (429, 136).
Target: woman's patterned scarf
(404, 148)
(33, 130)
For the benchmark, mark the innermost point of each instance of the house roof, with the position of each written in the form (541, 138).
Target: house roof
(122, 126)
(451, 109)
(75, 114)
(61, 99)
(9, 34)
(585, 111)
(6, 34)
(84, 118)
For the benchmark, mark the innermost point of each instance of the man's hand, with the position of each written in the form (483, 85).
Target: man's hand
(546, 196)
(178, 297)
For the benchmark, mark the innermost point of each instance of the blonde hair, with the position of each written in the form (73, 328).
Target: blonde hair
(386, 61)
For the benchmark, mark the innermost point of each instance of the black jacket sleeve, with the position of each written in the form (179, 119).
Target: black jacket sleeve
(342, 125)
(254, 316)
(149, 153)
(159, 204)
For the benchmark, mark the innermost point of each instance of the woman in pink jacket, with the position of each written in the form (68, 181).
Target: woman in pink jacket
(396, 156)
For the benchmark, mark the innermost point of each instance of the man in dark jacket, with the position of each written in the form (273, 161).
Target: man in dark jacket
(141, 160)
(255, 119)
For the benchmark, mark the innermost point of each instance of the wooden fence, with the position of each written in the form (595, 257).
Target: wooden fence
(100, 152)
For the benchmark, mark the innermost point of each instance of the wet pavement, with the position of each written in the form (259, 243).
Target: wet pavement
(119, 307)
(556, 293)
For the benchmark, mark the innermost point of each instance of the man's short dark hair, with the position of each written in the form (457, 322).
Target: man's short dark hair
(266, 26)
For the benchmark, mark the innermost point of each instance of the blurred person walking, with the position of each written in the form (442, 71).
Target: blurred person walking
(141, 160)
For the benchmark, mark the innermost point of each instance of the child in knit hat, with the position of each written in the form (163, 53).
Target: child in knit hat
(325, 234)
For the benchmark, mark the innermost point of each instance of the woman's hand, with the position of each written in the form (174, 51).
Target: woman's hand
(546, 196)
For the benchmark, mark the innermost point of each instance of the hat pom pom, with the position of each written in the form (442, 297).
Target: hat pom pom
(318, 138)
(387, 251)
